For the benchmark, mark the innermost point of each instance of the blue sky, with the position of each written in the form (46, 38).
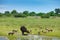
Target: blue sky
(30, 5)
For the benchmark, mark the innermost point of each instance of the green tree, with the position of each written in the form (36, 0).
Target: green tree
(14, 12)
(26, 13)
(32, 14)
(7, 13)
(57, 10)
(51, 13)
(40, 14)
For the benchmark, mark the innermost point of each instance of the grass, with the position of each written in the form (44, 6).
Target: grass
(9, 23)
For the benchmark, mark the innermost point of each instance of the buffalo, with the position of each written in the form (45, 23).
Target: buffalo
(49, 30)
(24, 29)
(13, 32)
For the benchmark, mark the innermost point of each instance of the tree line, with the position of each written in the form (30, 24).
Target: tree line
(14, 13)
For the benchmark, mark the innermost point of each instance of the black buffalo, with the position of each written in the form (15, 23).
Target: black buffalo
(12, 32)
(24, 29)
(49, 30)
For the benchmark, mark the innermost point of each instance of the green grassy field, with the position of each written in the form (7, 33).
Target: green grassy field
(9, 23)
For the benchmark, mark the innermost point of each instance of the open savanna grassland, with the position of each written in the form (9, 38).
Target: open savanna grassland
(35, 24)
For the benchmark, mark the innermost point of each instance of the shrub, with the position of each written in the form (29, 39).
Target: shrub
(58, 15)
(20, 15)
(45, 16)
(1, 14)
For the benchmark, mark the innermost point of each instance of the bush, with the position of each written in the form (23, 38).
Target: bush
(20, 15)
(45, 16)
(1, 14)
(58, 15)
